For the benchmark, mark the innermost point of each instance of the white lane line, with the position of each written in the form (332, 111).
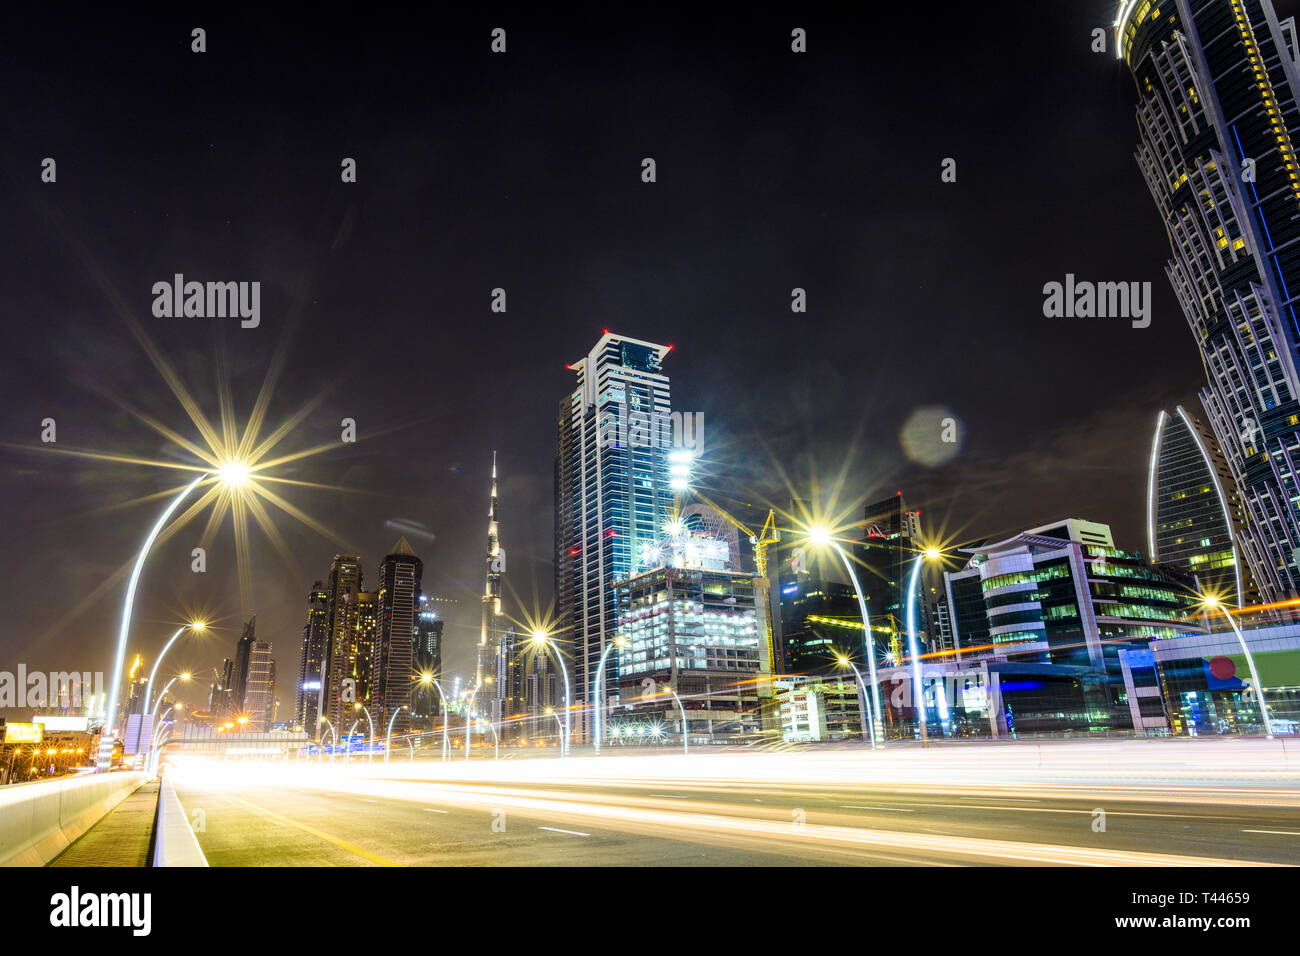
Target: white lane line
(849, 806)
(570, 832)
(431, 810)
(1278, 832)
(367, 800)
(671, 796)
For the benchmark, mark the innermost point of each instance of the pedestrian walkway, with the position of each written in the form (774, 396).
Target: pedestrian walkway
(124, 838)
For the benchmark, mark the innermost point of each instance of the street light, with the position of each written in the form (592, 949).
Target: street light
(913, 648)
(821, 535)
(867, 720)
(181, 677)
(599, 712)
(334, 733)
(107, 740)
(544, 640)
(1213, 602)
(559, 727)
(446, 744)
(388, 738)
(469, 718)
(371, 754)
(685, 728)
(348, 738)
(148, 688)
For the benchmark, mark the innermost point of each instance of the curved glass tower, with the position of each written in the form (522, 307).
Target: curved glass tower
(1216, 83)
(1189, 513)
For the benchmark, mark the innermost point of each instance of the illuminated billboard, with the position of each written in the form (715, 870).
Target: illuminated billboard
(23, 733)
(58, 724)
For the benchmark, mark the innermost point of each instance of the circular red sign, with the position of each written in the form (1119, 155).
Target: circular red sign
(1222, 668)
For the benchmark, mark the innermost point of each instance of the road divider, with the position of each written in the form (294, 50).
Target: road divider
(174, 841)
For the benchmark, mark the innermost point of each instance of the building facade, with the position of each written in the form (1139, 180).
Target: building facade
(1191, 519)
(396, 601)
(694, 631)
(311, 658)
(1216, 82)
(613, 495)
(1064, 595)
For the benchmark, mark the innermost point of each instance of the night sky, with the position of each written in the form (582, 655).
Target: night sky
(523, 171)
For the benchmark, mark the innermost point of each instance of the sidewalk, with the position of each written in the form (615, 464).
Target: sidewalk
(124, 838)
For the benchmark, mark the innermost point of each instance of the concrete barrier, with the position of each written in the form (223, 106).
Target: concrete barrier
(174, 842)
(39, 820)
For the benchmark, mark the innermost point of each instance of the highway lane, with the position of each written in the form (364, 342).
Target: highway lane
(599, 813)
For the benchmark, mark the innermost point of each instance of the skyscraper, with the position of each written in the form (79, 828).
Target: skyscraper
(396, 601)
(494, 564)
(243, 658)
(890, 541)
(344, 577)
(260, 689)
(1190, 498)
(1216, 86)
(311, 658)
(613, 495)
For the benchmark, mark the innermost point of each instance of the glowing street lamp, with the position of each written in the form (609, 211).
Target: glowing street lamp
(543, 640)
(371, 754)
(867, 720)
(1213, 602)
(163, 693)
(429, 679)
(119, 659)
(559, 727)
(912, 646)
(686, 752)
(334, 733)
(388, 738)
(599, 712)
(821, 535)
(148, 687)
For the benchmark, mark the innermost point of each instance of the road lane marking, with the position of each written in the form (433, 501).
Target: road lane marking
(849, 806)
(1278, 832)
(431, 810)
(341, 844)
(571, 832)
(364, 800)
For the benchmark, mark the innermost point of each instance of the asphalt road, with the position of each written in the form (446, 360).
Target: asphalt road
(648, 812)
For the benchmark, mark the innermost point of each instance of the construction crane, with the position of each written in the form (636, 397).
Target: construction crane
(768, 535)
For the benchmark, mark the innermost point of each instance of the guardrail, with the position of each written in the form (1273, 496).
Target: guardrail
(39, 820)
(174, 841)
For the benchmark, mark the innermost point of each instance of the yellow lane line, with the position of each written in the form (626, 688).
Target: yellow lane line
(341, 844)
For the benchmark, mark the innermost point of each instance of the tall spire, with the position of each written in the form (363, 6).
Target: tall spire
(494, 567)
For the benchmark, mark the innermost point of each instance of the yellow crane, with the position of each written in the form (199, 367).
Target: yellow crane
(768, 535)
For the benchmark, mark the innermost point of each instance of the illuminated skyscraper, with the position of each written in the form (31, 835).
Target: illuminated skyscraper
(1216, 86)
(396, 601)
(311, 658)
(260, 689)
(613, 496)
(344, 577)
(1190, 514)
(494, 565)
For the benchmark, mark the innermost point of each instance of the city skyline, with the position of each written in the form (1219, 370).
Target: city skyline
(739, 438)
(812, 403)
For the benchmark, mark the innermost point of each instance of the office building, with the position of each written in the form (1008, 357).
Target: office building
(311, 658)
(613, 495)
(1216, 86)
(1191, 499)
(396, 600)
(259, 693)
